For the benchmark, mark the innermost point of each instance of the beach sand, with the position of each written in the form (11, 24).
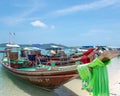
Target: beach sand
(74, 86)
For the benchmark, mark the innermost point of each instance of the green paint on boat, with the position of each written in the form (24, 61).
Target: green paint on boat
(27, 69)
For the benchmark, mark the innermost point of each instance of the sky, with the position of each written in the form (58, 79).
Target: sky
(66, 22)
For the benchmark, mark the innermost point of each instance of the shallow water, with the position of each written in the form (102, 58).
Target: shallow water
(12, 86)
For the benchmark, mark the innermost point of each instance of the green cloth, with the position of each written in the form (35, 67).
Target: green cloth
(95, 77)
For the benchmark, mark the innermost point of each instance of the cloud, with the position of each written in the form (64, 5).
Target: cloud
(90, 6)
(38, 23)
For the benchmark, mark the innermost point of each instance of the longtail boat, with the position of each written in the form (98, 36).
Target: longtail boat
(45, 76)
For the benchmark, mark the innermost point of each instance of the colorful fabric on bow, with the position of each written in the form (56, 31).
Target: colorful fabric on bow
(95, 77)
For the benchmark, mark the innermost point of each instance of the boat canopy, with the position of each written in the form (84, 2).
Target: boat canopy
(32, 48)
(12, 45)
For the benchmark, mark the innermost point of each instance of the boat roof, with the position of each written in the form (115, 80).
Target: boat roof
(12, 45)
(32, 48)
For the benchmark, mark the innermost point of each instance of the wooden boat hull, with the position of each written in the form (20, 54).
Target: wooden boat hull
(45, 79)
